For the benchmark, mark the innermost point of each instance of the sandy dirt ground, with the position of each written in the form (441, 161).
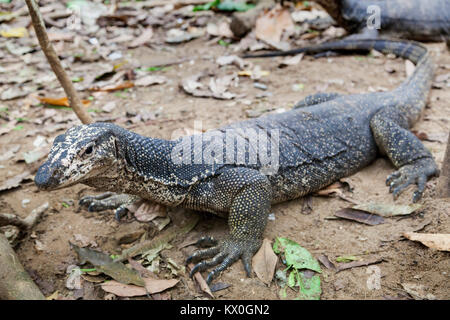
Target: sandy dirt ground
(45, 250)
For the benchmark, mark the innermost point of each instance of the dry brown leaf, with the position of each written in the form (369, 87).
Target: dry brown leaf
(289, 61)
(201, 282)
(417, 291)
(217, 86)
(335, 189)
(264, 262)
(192, 86)
(61, 36)
(143, 272)
(64, 102)
(438, 241)
(360, 216)
(145, 37)
(388, 210)
(326, 262)
(149, 80)
(148, 211)
(14, 182)
(123, 290)
(271, 25)
(331, 189)
(219, 29)
(156, 285)
(111, 88)
(10, 153)
(232, 59)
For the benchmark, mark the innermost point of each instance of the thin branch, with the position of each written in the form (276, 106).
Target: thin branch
(53, 60)
(443, 187)
(26, 223)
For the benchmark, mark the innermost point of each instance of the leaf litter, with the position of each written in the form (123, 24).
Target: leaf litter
(264, 262)
(297, 259)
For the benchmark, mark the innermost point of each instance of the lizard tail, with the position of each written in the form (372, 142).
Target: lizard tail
(413, 51)
(419, 82)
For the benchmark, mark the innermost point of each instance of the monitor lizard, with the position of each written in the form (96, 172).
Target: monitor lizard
(326, 137)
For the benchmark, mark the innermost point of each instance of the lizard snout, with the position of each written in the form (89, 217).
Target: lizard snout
(47, 178)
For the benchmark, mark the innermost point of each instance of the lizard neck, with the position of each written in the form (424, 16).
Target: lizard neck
(140, 166)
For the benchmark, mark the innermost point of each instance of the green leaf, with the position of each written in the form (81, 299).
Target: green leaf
(206, 6)
(234, 6)
(94, 110)
(224, 6)
(309, 284)
(292, 276)
(296, 256)
(223, 43)
(282, 293)
(53, 106)
(74, 4)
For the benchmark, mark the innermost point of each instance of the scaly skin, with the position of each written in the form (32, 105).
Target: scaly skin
(327, 137)
(407, 19)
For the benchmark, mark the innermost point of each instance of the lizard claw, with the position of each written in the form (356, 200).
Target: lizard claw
(224, 255)
(106, 201)
(416, 173)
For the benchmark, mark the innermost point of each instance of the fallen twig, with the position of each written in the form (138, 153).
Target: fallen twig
(24, 224)
(15, 282)
(354, 264)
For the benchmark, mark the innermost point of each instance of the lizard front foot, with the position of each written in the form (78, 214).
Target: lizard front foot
(223, 254)
(417, 172)
(108, 200)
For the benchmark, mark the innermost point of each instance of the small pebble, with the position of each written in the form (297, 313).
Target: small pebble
(25, 202)
(260, 85)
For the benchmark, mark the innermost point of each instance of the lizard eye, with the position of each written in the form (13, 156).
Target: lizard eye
(88, 151)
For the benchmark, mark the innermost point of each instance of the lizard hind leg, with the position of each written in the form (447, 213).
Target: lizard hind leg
(414, 162)
(108, 200)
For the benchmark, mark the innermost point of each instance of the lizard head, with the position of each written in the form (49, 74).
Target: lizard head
(81, 153)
